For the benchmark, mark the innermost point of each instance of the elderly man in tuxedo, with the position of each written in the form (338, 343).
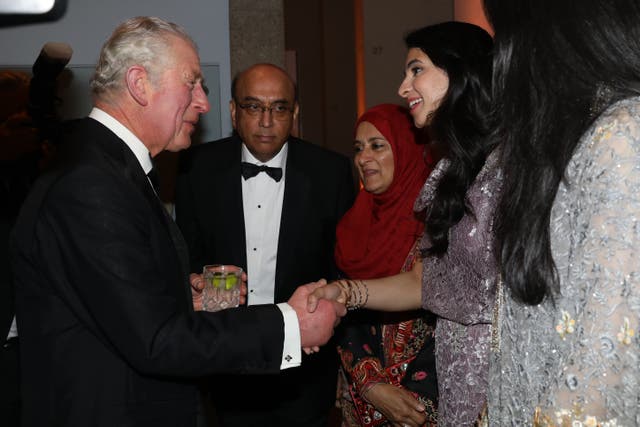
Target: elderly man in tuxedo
(108, 332)
(269, 202)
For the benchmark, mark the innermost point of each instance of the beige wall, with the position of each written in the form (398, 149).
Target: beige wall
(256, 33)
(320, 32)
(385, 24)
(340, 79)
(304, 39)
(471, 11)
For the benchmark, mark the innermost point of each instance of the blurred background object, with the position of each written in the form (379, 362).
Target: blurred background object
(30, 7)
(19, 12)
(43, 101)
(29, 131)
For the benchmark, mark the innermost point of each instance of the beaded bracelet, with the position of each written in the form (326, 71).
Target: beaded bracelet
(366, 297)
(358, 293)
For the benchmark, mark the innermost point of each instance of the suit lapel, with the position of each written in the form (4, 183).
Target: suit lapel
(132, 170)
(137, 175)
(229, 202)
(296, 197)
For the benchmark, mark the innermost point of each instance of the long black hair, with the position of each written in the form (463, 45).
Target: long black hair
(557, 66)
(459, 125)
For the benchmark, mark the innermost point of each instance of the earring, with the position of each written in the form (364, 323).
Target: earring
(601, 99)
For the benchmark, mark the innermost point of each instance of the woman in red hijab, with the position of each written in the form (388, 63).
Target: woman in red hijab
(387, 358)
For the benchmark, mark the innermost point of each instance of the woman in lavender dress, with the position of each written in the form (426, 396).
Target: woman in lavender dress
(446, 85)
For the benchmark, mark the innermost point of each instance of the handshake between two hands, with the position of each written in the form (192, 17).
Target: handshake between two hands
(319, 308)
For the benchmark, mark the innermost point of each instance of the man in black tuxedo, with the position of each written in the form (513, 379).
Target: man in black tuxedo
(104, 308)
(268, 202)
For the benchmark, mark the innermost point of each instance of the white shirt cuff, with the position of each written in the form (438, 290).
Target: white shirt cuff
(291, 349)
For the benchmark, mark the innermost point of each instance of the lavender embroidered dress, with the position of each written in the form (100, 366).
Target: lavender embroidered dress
(576, 361)
(460, 288)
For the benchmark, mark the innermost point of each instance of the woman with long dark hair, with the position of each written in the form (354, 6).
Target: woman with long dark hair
(447, 89)
(459, 268)
(567, 86)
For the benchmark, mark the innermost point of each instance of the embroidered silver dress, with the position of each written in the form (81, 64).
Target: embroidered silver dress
(577, 361)
(459, 288)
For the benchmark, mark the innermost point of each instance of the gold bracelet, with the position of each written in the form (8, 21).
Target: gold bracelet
(366, 290)
(360, 298)
(353, 305)
(357, 297)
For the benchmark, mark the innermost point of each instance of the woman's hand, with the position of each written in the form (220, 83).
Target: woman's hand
(332, 291)
(397, 405)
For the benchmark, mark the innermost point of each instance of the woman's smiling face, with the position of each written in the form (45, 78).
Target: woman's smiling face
(423, 87)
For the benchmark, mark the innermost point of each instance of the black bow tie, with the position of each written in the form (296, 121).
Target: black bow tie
(249, 170)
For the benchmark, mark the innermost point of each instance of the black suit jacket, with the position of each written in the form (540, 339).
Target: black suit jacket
(108, 334)
(319, 189)
(6, 287)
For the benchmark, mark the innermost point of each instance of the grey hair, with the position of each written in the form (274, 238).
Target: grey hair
(143, 41)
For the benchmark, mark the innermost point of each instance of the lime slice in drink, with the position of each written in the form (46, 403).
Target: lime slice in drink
(217, 280)
(232, 280)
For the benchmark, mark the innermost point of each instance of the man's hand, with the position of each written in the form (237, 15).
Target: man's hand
(197, 285)
(316, 328)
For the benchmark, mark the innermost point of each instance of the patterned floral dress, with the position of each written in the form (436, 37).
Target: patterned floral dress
(575, 360)
(459, 287)
(379, 340)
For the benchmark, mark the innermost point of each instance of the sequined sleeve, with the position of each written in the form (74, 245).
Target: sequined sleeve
(460, 284)
(596, 240)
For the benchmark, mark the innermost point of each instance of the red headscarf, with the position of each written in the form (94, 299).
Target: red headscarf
(375, 236)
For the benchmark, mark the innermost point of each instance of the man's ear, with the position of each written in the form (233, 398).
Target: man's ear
(136, 79)
(295, 125)
(296, 110)
(232, 110)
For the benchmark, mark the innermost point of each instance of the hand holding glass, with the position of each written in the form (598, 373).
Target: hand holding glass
(222, 287)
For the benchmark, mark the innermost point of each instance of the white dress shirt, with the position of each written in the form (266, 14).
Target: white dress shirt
(292, 354)
(262, 200)
(13, 329)
(133, 142)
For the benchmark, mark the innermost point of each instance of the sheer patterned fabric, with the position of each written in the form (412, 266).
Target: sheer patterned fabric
(396, 338)
(459, 288)
(576, 362)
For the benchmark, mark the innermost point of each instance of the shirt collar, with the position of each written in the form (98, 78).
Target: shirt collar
(278, 161)
(133, 142)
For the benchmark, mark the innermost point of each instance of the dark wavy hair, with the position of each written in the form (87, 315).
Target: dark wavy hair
(557, 66)
(459, 125)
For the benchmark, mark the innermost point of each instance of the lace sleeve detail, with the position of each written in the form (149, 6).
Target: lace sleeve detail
(598, 313)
